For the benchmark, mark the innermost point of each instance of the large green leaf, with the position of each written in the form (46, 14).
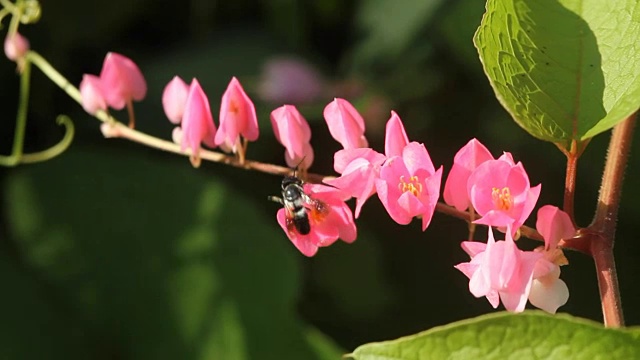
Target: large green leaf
(564, 69)
(530, 335)
(164, 260)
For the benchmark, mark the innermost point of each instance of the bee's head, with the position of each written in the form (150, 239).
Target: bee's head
(289, 180)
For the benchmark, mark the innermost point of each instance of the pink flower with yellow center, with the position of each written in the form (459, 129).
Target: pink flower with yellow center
(334, 221)
(409, 185)
(501, 193)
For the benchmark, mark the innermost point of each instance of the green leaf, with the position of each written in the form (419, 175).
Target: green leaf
(529, 335)
(165, 260)
(565, 70)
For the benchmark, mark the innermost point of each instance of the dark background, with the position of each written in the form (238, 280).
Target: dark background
(117, 251)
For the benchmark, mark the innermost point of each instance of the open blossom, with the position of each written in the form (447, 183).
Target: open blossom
(237, 117)
(409, 185)
(548, 292)
(345, 124)
(197, 122)
(294, 133)
(500, 192)
(359, 168)
(468, 158)
(122, 81)
(91, 94)
(395, 138)
(174, 98)
(500, 271)
(15, 46)
(326, 227)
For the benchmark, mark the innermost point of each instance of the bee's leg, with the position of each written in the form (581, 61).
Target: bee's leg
(275, 199)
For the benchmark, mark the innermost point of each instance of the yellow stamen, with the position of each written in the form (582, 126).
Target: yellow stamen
(502, 198)
(413, 186)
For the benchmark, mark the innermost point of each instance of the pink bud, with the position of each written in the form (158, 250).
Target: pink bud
(197, 121)
(554, 224)
(122, 81)
(174, 98)
(15, 46)
(395, 138)
(345, 124)
(466, 160)
(237, 117)
(91, 94)
(294, 133)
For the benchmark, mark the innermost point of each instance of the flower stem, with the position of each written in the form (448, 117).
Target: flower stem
(21, 119)
(570, 181)
(604, 222)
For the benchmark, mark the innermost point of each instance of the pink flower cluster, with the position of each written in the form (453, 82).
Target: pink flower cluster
(119, 84)
(404, 178)
(500, 192)
(188, 106)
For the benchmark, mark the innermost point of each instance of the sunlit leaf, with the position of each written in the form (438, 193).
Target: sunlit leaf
(530, 335)
(565, 70)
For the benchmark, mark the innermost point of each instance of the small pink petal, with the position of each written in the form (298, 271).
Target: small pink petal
(554, 224)
(237, 116)
(294, 133)
(197, 121)
(122, 81)
(91, 94)
(345, 124)
(395, 136)
(466, 160)
(174, 98)
(15, 46)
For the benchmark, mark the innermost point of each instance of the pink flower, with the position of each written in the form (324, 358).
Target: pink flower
(409, 185)
(122, 81)
(290, 80)
(335, 221)
(174, 98)
(464, 163)
(237, 117)
(499, 271)
(197, 122)
(345, 124)
(91, 94)
(15, 46)
(294, 133)
(554, 224)
(395, 138)
(500, 192)
(359, 167)
(548, 292)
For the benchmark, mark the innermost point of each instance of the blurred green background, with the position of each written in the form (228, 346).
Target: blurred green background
(117, 251)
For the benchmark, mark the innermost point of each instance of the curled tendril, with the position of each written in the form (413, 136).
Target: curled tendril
(57, 149)
(31, 12)
(3, 13)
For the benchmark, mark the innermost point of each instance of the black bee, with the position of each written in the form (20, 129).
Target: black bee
(298, 205)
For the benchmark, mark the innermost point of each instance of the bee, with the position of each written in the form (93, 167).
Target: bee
(298, 205)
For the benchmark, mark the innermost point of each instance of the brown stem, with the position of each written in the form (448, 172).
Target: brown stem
(604, 222)
(570, 181)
